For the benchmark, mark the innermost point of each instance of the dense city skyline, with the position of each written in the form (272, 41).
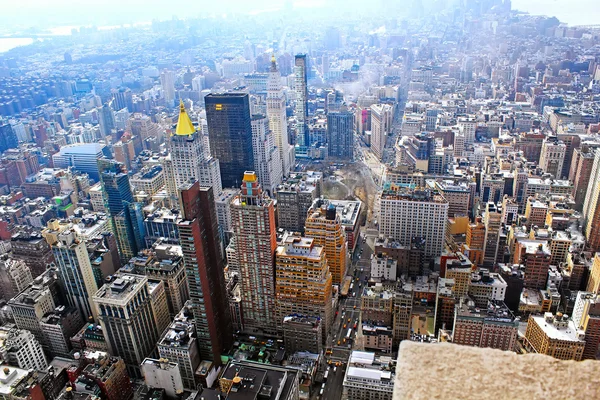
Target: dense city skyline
(299, 200)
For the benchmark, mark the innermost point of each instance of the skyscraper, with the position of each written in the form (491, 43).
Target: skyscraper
(493, 222)
(167, 83)
(127, 215)
(381, 123)
(340, 135)
(586, 317)
(230, 134)
(324, 226)
(115, 184)
(295, 197)
(15, 275)
(191, 158)
(20, 348)
(199, 237)
(253, 218)
(303, 280)
(408, 213)
(128, 318)
(278, 118)
(301, 90)
(74, 267)
(267, 161)
(8, 138)
(122, 99)
(591, 206)
(106, 119)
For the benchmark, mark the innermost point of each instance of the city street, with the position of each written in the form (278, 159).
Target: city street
(348, 315)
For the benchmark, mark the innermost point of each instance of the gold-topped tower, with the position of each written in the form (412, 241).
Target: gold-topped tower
(184, 124)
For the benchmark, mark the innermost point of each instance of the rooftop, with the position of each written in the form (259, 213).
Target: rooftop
(557, 328)
(393, 191)
(121, 286)
(293, 245)
(181, 331)
(365, 367)
(347, 210)
(9, 377)
(496, 311)
(259, 381)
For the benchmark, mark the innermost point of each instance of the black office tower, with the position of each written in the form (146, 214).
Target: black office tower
(230, 134)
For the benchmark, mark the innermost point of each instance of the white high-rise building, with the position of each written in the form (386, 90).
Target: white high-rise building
(467, 127)
(74, 267)
(20, 348)
(267, 161)
(592, 196)
(407, 214)
(278, 119)
(190, 159)
(198, 83)
(167, 82)
(552, 156)
(301, 108)
(128, 311)
(381, 123)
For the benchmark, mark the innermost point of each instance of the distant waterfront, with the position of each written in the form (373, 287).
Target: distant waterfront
(575, 12)
(10, 43)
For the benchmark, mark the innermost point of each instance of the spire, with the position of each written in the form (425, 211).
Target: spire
(184, 124)
(273, 63)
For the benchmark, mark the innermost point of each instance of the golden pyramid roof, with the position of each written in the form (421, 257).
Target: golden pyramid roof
(184, 124)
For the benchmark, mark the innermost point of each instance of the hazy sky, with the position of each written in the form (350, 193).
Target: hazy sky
(573, 12)
(107, 12)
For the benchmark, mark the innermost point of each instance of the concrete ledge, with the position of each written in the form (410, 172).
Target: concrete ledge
(448, 371)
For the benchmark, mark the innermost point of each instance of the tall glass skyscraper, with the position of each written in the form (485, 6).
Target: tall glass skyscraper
(301, 110)
(230, 135)
(127, 215)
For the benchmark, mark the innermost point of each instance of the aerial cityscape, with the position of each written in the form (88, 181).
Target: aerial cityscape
(279, 200)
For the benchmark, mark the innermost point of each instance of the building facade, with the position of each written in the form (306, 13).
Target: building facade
(340, 135)
(303, 281)
(408, 213)
(278, 119)
(74, 267)
(324, 225)
(199, 237)
(190, 156)
(126, 313)
(267, 161)
(555, 336)
(253, 218)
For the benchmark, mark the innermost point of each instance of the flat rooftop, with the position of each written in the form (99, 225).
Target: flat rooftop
(496, 311)
(259, 381)
(568, 333)
(121, 286)
(347, 210)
